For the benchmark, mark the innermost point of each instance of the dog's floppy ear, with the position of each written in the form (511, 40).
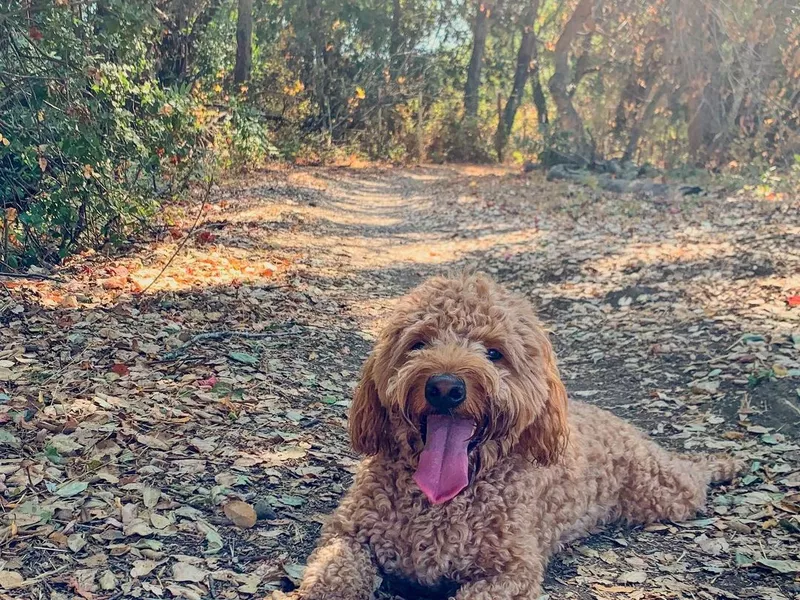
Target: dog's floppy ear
(546, 439)
(369, 420)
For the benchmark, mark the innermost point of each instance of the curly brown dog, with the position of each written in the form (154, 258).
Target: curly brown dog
(479, 468)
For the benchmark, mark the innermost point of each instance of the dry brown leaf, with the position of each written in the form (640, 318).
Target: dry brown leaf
(142, 568)
(10, 580)
(240, 514)
(633, 577)
(184, 572)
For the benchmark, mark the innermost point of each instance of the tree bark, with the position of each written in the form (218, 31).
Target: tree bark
(244, 41)
(569, 119)
(396, 57)
(524, 57)
(176, 48)
(480, 31)
(539, 99)
(653, 99)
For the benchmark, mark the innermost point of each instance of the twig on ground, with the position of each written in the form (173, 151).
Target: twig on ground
(272, 332)
(10, 274)
(791, 405)
(206, 196)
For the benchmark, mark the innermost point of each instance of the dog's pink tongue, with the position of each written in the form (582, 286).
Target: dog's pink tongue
(443, 469)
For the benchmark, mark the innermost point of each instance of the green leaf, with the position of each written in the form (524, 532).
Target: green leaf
(295, 572)
(7, 438)
(243, 357)
(53, 456)
(213, 539)
(781, 566)
(752, 337)
(292, 500)
(748, 479)
(73, 488)
(743, 560)
(222, 388)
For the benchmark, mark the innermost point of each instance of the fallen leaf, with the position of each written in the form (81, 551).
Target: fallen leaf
(10, 580)
(206, 237)
(76, 542)
(159, 521)
(64, 444)
(213, 539)
(295, 572)
(705, 387)
(72, 488)
(150, 496)
(633, 577)
(712, 546)
(120, 369)
(142, 568)
(781, 566)
(240, 514)
(243, 357)
(292, 500)
(107, 581)
(182, 571)
(113, 283)
(250, 584)
(137, 527)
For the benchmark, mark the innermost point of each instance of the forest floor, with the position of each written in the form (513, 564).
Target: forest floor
(127, 455)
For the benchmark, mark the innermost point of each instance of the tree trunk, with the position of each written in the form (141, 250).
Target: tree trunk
(539, 99)
(569, 119)
(654, 98)
(524, 56)
(480, 31)
(181, 31)
(244, 41)
(396, 57)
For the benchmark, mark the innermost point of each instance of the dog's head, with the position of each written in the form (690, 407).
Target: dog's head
(462, 375)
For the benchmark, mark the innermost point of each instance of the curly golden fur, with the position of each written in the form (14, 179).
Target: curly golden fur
(542, 471)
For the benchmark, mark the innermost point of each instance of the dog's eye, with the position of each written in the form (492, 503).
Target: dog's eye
(418, 346)
(493, 354)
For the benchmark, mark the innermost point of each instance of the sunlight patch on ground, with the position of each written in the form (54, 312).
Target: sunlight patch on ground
(649, 253)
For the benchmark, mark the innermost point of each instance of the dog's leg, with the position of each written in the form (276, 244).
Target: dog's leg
(522, 581)
(339, 569)
(660, 485)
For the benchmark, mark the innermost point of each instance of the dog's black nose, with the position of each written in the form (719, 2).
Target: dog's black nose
(446, 391)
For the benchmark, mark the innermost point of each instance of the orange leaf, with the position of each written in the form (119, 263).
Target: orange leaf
(793, 300)
(113, 283)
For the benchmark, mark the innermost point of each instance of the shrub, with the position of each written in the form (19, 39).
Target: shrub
(89, 141)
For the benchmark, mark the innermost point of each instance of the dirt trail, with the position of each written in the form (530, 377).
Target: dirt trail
(120, 445)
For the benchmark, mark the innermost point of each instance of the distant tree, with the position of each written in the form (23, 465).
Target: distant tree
(562, 79)
(480, 31)
(527, 49)
(244, 41)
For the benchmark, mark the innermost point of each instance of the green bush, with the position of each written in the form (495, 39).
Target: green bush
(90, 141)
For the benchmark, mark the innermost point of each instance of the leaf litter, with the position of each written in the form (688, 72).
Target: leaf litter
(141, 457)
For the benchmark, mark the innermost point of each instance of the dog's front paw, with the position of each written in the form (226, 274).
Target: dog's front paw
(279, 595)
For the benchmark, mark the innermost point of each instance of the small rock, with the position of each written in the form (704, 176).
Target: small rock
(264, 511)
